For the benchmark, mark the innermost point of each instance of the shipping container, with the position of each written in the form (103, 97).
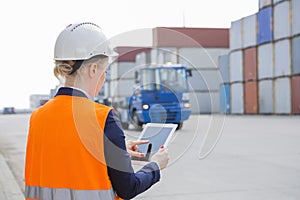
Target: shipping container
(236, 35)
(282, 95)
(296, 55)
(142, 59)
(204, 102)
(224, 98)
(250, 64)
(278, 1)
(282, 54)
(282, 20)
(295, 17)
(264, 3)
(200, 57)
(249, 31)
(265, 26)
(204, 80)
(236, 66)
(122, 88)
(237, 98)
(122, 70)
(191, 37)
(251, 97)
(265, 61)
(296, 95)
(266, 100)
(224, 67)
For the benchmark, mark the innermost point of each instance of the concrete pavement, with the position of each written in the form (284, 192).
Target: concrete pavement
(9, 189)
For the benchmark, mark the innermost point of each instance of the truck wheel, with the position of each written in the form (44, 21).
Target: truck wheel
(136, 122)
(125, 125)
(179, 125)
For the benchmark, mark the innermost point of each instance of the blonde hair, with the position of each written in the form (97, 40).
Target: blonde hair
(63, 68)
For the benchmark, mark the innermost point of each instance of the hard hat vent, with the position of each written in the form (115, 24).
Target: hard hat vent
(84, 23)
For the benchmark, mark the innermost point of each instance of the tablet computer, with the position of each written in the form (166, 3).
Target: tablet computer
(158, 135)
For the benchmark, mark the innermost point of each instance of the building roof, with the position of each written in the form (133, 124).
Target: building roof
(191, 37)
(128, 53)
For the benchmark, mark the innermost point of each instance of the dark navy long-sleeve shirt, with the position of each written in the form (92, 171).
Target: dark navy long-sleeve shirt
(126, 183)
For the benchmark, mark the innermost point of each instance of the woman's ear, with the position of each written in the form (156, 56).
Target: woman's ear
(93, 70)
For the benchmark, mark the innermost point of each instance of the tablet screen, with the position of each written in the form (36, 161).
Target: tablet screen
(157, 136)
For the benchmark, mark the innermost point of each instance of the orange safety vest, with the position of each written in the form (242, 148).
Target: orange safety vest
(65, 151)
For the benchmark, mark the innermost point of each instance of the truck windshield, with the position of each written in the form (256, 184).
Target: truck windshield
(173, 79)
(164, 79)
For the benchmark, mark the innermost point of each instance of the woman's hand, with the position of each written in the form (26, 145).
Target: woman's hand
(132, 147)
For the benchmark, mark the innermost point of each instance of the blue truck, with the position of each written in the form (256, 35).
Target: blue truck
(160, 96)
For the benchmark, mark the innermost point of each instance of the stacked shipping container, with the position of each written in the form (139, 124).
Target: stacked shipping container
(265, 60)
(199, 50)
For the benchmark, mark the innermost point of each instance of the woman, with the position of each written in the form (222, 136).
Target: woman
(76, 148)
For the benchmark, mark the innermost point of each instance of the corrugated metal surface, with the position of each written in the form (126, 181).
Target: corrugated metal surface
(296, 55)
(191, 37)
(205, 102)
(128, 54)
(265, 96)
(249, 31)
(296, 94)
(237, 98)
(251, 97)
(265, 28)
(200, 57)
(282, 20)
(141, 59)
(295, 17)
(278, 1)
(163, 55)
(236, 66)
(265, 61)
(204, 80)
(224, 98)
(122, 88)
(264, 3)
(224, 67)
(236, 35)
(282, 59)
(250, 64)
(282, 95)
(122, 70)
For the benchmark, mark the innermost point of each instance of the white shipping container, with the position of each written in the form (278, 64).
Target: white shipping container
(265, 61)
(140, 59)
(204, 102)
(264, 3)
(122, 88)
(164, 55)
(200, 57)
(295, 17)
(277, 1)
(236, 66)
(122, 70)
(236, 35)
(282, 58)
(204, 80)
(282, 20)
(250, 31)
(237, 98)
(265, 96)
(282, 91)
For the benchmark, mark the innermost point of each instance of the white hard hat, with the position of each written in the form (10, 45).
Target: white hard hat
(82, 41)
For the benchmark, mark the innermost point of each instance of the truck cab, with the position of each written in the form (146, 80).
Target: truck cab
(160, 96)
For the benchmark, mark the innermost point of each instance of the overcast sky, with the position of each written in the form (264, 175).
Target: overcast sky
(29, 30)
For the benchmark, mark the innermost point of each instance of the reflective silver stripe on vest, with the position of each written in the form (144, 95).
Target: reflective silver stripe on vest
(67, 194)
